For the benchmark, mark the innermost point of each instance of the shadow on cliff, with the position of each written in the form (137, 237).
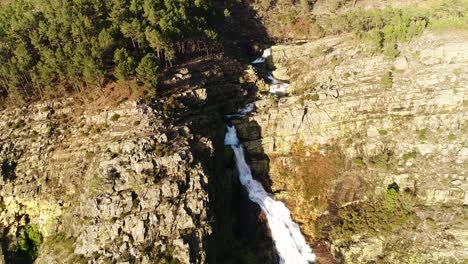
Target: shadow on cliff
(213, 88)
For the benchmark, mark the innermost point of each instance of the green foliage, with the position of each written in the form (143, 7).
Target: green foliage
(379, 216)
(383, 132)
(452, 137)
(448, 15)
(125, 64)
(410, 155)
(397, 23)
(316, 30)
(359, 163)
(227, 13)
(382, 29)
(383, 161)
(391, 51)
(375, 38)
(115, 117)
(313, 97)
(422, 134)
(387, 80)
(51, 47)
(147, 70)
(29, 241)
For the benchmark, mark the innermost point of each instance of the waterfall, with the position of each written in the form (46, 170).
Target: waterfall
(289, 242)
(276, 86)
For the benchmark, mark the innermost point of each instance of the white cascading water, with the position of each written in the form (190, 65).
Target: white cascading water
(276, 87)
(290, 243)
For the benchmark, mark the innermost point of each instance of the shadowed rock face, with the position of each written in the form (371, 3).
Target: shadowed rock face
(411, 134)
(110, 185)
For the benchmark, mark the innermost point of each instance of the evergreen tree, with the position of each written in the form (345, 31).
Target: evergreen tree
(147, 70)
(49, 46)
(125, 65)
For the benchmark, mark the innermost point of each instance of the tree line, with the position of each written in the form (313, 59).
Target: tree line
(50, 47)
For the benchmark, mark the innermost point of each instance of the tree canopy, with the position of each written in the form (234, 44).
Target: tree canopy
(48, 47)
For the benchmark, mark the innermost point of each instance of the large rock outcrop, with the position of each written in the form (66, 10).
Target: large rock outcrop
(111, 185)
(400, 122)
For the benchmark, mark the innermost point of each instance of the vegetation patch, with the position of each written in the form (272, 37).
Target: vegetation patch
(387, 80)
(422, 134)
(115, 117)
(452, 137)
(359, 163)
(29, 241)
(410, 155)
(384, 161)
(383, 132)
(306, 175)
(312, 97)
(379, 216)
(49, 48)
(383, 29)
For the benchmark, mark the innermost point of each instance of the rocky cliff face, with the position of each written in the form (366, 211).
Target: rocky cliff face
(369, 154)
(392, 124)
(106, 186)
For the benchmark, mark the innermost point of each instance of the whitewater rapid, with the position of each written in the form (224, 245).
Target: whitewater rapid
(289, 242)
(276, 86)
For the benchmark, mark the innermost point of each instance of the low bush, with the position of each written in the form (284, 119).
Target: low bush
(115, 117)
(410, 155)
(387, 80)
(382, 29)
(379, 216)
(29, 241)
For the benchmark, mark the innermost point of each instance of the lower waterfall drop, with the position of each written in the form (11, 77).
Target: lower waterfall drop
(290, 244)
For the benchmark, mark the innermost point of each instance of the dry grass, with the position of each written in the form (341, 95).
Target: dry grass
(307, 176)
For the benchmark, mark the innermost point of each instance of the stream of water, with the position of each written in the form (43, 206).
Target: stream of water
(290, 244)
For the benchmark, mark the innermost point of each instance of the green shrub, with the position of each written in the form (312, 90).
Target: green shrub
(312, 97)
(316, 30)
(375, 38)
(383, 132)
(379, 216)
(115, 117)
(383, 161)
(391, 51)
(422, 134)
(29, 241)
(359, 163)
(452, 137)
(387, 80)
(410, 155)
(389, 26)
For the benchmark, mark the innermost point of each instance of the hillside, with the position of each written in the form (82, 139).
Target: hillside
(114, 117)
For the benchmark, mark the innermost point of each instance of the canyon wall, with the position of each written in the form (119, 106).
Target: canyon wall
(106, 185)
(399, 122)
